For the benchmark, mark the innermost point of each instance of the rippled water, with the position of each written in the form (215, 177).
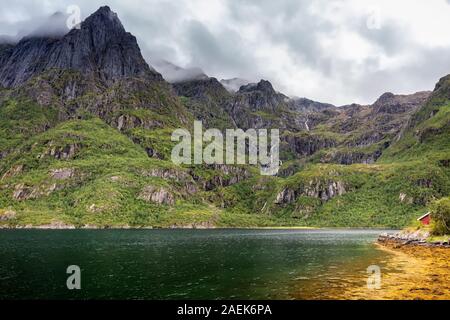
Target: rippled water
(185, 264)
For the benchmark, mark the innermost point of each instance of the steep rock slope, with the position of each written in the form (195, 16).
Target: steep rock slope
(427, 133)
(97, 70)
(100, 46)
(412, 134)
(85, 136)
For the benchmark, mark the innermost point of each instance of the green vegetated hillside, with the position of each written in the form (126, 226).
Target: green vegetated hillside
(85, 172)
(399, 186)
(336, 172)
(87, 148)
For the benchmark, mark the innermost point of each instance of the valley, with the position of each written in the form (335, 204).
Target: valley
(85, 141)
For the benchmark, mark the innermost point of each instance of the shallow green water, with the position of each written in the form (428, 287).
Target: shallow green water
(184, 264)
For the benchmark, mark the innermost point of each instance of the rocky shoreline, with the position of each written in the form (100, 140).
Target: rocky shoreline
(407, 238)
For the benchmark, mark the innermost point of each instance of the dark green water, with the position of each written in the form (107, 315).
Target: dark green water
(184, 264)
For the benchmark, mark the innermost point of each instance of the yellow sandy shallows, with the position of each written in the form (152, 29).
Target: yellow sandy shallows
(413, 273)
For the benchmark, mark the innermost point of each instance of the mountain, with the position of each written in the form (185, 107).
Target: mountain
(85, 141)
(207, 100)
(100, 47)
(427, 133)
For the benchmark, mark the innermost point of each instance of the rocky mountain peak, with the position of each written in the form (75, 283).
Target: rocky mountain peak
(263, 86)
(385, 97)
(307, 105)
(101, 47)
(105, 19)
(442, 88)
(392, 103)
(200, 88)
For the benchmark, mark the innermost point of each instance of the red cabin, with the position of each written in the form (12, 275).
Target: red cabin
(425, 219)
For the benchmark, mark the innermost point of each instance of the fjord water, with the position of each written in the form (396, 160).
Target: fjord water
(186, 264)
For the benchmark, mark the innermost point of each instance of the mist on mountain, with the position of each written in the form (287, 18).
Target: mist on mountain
(174, 74)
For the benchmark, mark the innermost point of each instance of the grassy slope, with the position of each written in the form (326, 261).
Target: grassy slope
(372, 198)
(20, 119)
(415, 168)
(110, 173)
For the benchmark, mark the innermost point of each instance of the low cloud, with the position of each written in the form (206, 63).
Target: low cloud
(174, 74)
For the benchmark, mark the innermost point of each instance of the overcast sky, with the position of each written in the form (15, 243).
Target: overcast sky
(340, 51)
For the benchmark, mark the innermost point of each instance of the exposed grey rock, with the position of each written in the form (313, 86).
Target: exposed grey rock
(159, 195)
(101, 46)
(286, 196)
(126, 122)
(201, 89)
(306, 144)
(62, 153)
(189, 185)
(173, 174)
(411, 238)
(323, 190)
(24, 192)
(262, 86)
(208, 101)
(229, 175)
(62, 174)
(391, 103)
(13, 171)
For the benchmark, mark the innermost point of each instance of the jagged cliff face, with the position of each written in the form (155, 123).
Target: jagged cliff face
(95, 70)
(426, 134)
(106, 55)
(101, 46)
(258, 106)
(206, 99)
(330, 134)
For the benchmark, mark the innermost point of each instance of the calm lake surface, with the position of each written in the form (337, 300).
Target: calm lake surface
(186, 264)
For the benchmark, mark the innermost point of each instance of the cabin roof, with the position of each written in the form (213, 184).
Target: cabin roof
(424, 216)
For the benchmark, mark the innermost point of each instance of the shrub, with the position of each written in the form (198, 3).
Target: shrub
(440, 213)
